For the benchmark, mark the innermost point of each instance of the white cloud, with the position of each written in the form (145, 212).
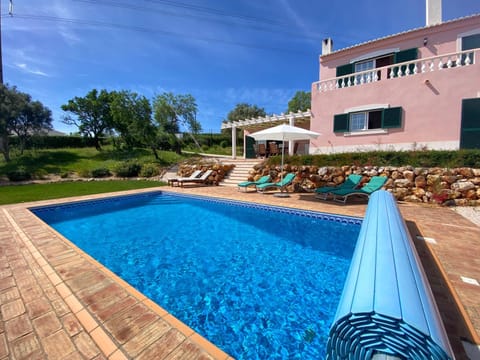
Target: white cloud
(25, 68)
(60, 9)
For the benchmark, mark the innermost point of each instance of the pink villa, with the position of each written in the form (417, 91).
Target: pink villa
(419, 89)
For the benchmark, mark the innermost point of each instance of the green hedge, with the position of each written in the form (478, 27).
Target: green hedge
(427, 158)
(56, 142)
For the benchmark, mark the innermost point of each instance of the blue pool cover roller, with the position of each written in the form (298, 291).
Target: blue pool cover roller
(387, 306)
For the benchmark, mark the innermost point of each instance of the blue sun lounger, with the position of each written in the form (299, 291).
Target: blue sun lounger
(375, 183)
(282, 184)
(351, 183)
(246, 184)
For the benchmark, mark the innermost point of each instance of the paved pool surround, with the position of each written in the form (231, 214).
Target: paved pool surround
(58, 301)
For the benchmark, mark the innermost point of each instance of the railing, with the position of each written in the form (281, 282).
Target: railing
(408, 68)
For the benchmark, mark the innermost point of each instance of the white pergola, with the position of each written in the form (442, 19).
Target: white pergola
(253, 125)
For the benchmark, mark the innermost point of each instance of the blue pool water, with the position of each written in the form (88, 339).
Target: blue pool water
(259, 282)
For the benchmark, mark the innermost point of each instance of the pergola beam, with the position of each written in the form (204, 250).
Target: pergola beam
(264, 122)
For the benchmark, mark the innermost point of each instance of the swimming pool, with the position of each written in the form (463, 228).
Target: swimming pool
(260, 282)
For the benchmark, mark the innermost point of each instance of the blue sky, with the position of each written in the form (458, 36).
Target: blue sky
(221, 52)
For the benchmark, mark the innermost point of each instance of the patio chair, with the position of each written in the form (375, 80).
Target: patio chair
(273, 149)
(199, 180)
(375, 183)
(261, 150)
(282, 184)
(351, 183)
(194, 175)
(246, 184)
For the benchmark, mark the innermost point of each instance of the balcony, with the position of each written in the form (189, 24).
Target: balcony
(394, 71)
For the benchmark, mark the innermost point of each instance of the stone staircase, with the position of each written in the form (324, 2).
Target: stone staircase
(240, 172)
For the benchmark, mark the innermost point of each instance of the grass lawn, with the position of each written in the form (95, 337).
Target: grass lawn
(82, 160)
(33, 192)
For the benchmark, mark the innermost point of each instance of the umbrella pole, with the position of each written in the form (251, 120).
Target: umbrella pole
(281, 193)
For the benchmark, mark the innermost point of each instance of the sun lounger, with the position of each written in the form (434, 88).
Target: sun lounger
(194, 175)
(282, 185)
(351, 183)
(199, 180)
(246, 184)
(375, 183)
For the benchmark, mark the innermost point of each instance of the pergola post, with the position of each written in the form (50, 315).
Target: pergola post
(291, 122)
(234, 142)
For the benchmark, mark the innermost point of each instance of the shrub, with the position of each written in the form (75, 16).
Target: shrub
(224, 143)
(100, 172)
(19, 174)
(149, 170)
(84, 173)
(40, 174)
(128, 169)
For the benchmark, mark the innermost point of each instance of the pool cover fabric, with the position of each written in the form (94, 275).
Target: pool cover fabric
(387, 305)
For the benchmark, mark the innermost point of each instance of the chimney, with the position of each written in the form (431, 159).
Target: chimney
(327, 46)
(434, 12)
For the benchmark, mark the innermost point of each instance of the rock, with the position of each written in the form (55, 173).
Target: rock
(465, 172)
(475, 181)
(463, 186)
(419, 192)
(409, 175)
(420, 182)
(413, 198)
(449, 203)
(402, 183)
(322, 171)
(433, 179)
(395, 175)
(471, 194)
(400, 193)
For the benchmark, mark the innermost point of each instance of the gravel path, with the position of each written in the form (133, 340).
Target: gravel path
(472, 213)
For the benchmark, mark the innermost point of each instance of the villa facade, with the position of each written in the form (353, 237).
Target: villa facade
(419, 89)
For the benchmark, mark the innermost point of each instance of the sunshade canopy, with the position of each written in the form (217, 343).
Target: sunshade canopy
(284, 132)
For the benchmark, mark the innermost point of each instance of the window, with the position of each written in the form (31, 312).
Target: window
(377, 60)
(362, 121)
(468, 43)
(366, 120)
(365, 66)
(358, 121)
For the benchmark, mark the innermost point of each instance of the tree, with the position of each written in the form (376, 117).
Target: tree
(34, 118)
(132, 119)
(21, 116)
(173, 111)
(244, 111)
(301, 101)
(93, 115)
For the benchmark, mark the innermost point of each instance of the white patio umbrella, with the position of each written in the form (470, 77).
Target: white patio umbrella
(282, 133)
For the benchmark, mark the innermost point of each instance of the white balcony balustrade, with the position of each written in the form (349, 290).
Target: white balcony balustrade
(408, 68)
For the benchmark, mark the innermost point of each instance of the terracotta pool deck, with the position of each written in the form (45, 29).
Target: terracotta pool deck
(58, 303)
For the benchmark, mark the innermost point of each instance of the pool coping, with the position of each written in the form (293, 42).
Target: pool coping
(23, 229)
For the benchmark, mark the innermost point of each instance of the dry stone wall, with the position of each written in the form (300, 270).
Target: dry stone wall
(457, 186)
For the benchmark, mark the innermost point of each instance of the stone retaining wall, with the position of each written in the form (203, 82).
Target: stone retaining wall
(457, 186)
(219, 171)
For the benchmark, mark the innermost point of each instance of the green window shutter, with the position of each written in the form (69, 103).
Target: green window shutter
(392, 118)
(468, 43)
(406, 55)
(341, 123)
(345, 69)
(471, 42)
(402, 56)
(470, 126)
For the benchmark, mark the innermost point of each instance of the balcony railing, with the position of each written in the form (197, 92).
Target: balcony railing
(408, 68)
